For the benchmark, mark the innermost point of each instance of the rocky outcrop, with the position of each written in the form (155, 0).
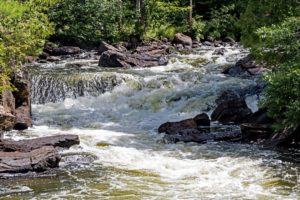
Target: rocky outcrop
(185, 40)
(233, 111)
(62, 141)
(35, 155)
(192, 123)
(106, 47)
(37, 160)
(245, 67)
(125, 60)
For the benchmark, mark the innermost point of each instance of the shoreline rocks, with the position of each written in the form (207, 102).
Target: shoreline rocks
(35, 155)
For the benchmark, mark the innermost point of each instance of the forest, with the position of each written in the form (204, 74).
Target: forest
(112, 82)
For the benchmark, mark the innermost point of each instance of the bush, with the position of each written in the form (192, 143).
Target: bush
(87, 22)
(223, 22)
(23, 30)
(279, 45)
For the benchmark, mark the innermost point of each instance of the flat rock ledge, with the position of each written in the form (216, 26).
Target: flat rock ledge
(33, 155)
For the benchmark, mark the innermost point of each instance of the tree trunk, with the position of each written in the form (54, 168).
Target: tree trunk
(191, 16)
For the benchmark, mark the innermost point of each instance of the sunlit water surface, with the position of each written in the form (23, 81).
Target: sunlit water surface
(117, 112)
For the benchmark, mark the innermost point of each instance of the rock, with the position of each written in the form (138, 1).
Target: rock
(173, 127)
(198, 136)
(7, 120)
(62, 141)
(245, 67)
(53, 59)
(105, 47)
(113, 59)
(287, 138)
(63, 50)
(255, 132)
(226, 96)
(202, 120)
(207, 43)
(23, 118)
(37, 160)
(192, 123)
(219, 51)
(229, 40)
(126, 60)
(232, 111)
(185, 40)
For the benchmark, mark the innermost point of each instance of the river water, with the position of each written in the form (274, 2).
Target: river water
(116, 113)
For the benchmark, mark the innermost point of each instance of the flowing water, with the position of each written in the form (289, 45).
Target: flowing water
(116, 113)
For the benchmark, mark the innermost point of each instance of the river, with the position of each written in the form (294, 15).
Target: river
(116, 113)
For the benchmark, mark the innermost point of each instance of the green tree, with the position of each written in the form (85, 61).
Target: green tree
(23, 30)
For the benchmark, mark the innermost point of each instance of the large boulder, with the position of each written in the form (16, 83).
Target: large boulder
(185, 40)
(125, 60)
(232, 111)
(37, 160)
(7, 120)
(192, 123)
(23, 118)
(245, 67)
(105, 47)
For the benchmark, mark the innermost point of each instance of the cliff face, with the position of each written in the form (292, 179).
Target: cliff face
(15, 105)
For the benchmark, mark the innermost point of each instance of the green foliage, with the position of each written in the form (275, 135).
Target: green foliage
(165, 19)
(223, 22)
(282, 96)
(261, 13)
(197, 28)
(90, 21)
(279, 45)
(23, 30)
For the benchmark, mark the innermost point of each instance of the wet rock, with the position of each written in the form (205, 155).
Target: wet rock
(53, 59)
(63, 50)
(236, 71)
(260, 117)
(105, 47)
(232, 111)
(202, 120)
(81, 158)
(192, 123)
(200, 136)
(287, 138)
(185, 40)
(219, 51)
(229, 40)
(226, 96)
(7, 120)
(37, 160)
(245, 67)
(256, 132)
(207, 43)
(117, 59)
(59, 141)
(172, 127)
(23, 118)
